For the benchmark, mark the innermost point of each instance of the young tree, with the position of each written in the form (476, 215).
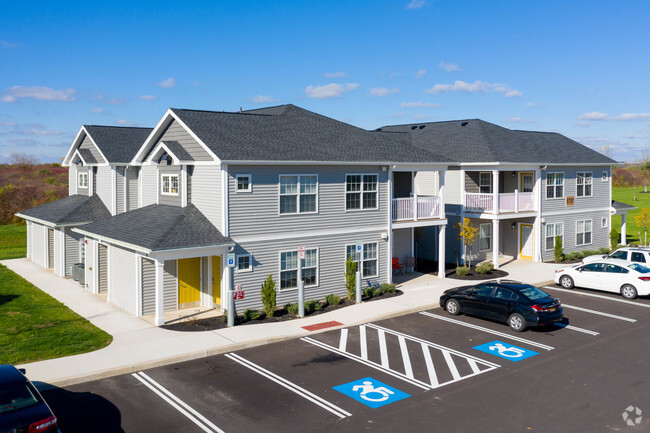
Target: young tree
(351, 278)
(557, 251)
(643, 222)
(268, 295)
(467, 233)
(614, 237)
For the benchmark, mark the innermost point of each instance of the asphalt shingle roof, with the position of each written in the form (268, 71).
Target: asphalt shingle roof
(74, 209)
(474, 140)
(159, 228)
(87, 156)
(290, 133)
(119, 144)
(178, 150)
(620, 206)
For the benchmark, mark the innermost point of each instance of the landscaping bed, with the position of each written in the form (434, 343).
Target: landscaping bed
(473, 275)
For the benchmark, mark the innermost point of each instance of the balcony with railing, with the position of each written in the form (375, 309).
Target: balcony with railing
(507, 203)
(416, 208)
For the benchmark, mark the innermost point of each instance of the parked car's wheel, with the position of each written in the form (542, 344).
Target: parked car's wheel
(453, 307)
(517, 322)
(628, 291)
(566, 282)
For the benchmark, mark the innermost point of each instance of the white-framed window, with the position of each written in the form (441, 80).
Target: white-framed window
(298, 193)
(82, 179)
(583, 232)
(289, 269)
(169, 184)
(244, 263)
(485, 182)
(243, 183)
(603, 222)
(584, 181)
(369, 258)
(605, 176)
(553, 230)
(554, 185)
(485, 237)
(361, 191)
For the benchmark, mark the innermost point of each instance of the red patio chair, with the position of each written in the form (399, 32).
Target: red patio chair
(398, 267)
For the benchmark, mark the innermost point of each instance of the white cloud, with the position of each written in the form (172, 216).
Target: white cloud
(13, 94)
(147, 97)
(335, 74)
(415, 4)
(261, 99)
(475, 87)
(449, 67)
(419, 104)
(382, 91)
(333, 90)
(421, 117)
(632, 116)
(8, 123)
(97, 110)
(34, 131)
(166, 84)
(421, 73)
(594, 115)
(117, 101)
(123, 122)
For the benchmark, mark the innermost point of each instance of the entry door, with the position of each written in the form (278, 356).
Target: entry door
(526, 182)
(526, 241)
(216, 280)
(102, 271)
(189, 282)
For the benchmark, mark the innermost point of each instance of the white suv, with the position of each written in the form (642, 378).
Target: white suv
(630, 254)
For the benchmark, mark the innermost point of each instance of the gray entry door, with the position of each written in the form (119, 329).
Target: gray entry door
(102, 265)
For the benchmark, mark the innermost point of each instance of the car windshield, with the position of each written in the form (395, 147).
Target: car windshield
(639, 268)
(533, 293)
(16, 396)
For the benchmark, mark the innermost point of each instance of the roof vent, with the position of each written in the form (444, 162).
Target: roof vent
(414, 126)
(378, 129)
(464, 124)
(422, 126)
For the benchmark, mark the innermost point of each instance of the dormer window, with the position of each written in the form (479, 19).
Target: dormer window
(82, 179)
(169, 184)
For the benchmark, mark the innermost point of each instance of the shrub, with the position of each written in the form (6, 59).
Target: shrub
(387, 288)
(585, 253)
(484, 268)
(557, 250)
(268, 295)
(248, 314)
(462, 271)
(333, 299)
(573, 256)
(351, 278)
(369, 292)
(291, 308)
(312, 305)
(603, 250)
(614, 239)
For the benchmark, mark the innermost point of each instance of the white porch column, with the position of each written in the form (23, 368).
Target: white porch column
(442, 230)
(495, 243)
(537, 235)
(160, 308)
(113, 191)
(390, 225)
(495, 191)
(623, 228)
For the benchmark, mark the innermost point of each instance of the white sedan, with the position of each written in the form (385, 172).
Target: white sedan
(610, 275)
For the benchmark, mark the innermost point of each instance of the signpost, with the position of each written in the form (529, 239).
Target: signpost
(358, 251)
(230, 263)
(301, 283)
(239, 293)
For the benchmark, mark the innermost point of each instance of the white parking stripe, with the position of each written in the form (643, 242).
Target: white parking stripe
(433, 377)
(343, 342)
(290, 386)
(600, 313)
(177, 403)
(575, 328)
(480, 328)
(408, 370)
(452, 366)
(383, 352)
(609, 298)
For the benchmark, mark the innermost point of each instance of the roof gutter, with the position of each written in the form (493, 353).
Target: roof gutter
(50, 223)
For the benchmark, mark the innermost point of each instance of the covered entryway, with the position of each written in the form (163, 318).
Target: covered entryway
(526, 241)
(189, 282)
(216, 281)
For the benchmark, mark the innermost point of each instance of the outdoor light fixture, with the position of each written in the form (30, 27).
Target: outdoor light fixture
(514, 174)
(513, 225)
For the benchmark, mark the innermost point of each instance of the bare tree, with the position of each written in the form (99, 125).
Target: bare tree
(21, 158)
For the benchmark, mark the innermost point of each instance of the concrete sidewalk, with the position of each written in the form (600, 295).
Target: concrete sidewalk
(138, 345)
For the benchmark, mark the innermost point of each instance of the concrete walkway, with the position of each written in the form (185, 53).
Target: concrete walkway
(137, 344)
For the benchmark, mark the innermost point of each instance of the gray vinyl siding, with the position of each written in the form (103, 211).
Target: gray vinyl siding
(81, 191)
(452, 187)
(188, 187)
(123, 278)
(132, 188)
(39, 241)
(509, 237)
(172, 200)
(119, 189)
(175, 132)
(600, 190)
(94, 175)
(88, 144)
(105, 186)
(426, 182)
(149, 184)
(453, 248)
(72, 240)
(50, 248)
(148, 287)
(402, 244)
(102, 268)
(599, 235)
(72, 179)
(254, 212)
(207, 193)
(170, 286)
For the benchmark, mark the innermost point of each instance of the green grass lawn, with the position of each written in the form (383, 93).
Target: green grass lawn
(13, 242)
(640, 200)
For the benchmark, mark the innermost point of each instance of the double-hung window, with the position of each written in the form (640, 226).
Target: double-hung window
(485, 237)
(83, 180)
(583, 183)
(169, 184)
(583, 232)
(361, 191)
(554, 185)
(485, 182)
(368, 258)
(298, 193)
(553, 230)
(289, 269)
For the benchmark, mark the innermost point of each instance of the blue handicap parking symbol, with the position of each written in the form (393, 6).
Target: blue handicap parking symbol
(371, 392)
(506, 351)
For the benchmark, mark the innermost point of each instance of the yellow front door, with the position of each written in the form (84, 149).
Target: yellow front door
(189, 282)
(216, 280)
(526, 241)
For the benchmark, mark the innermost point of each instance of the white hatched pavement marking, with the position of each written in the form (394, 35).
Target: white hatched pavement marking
(474, 365)
(599, 313)
(593, 295)
(491, 331)
(363, 342)
(177, 403)
(575, 328)
(433, 377)
(452, 366)
(343, 342)
(330, 407)
(383, 351)
(408, 370)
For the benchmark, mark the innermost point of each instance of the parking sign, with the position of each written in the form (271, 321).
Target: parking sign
(230, 260)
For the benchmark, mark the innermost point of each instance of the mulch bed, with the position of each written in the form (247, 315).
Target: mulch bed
(474, 276)
(220, 322)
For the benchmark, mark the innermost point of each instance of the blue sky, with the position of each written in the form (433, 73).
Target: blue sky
(574, 67)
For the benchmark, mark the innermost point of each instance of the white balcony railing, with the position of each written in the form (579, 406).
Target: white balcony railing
(418, 207)
(508, 202)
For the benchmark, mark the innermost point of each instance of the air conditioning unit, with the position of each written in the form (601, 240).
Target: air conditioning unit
(81, 273)
(74, 271)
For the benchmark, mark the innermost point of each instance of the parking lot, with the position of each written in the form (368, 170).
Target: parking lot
(420, 372)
